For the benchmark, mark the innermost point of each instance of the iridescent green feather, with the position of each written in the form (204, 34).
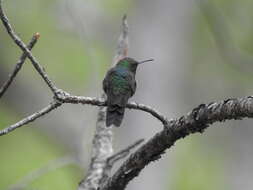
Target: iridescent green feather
(120, 85)
(124, 63)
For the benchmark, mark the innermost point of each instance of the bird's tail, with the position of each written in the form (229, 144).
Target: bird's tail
(114, 115)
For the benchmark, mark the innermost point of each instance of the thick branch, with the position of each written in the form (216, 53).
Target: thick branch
(18, 65)
(23, 47)
(30, 118)
(195, 121)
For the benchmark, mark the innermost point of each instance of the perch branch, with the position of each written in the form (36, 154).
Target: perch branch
(65, 97)
(18, 65)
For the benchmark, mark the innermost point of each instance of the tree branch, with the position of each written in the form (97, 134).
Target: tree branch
(195, 121)
(18, 65)
(30, 118)
(65, 97)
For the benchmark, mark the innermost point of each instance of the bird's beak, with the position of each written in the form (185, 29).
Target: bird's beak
(148, 60)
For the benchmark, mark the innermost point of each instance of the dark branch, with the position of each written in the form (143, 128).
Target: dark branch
(195, 121)
(18, 65)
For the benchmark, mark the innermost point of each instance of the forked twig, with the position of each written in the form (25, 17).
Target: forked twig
(19, 65)
(23, 47)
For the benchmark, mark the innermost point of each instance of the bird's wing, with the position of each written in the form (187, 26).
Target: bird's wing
(119, 87)
(107, 79)
(133, 85)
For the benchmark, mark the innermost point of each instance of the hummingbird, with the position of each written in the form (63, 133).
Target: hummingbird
(119, 85)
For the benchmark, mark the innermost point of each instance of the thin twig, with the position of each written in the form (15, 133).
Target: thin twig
(23, 47)
(30, 118)
(19, 65)
(67, 98)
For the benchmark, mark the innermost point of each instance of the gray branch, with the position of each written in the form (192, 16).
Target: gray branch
(64, 97)
(18, 65)
(30, 118)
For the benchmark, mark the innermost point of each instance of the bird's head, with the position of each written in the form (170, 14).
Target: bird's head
(130, 63)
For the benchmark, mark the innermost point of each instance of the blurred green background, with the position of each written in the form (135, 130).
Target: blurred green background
(203, 50)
